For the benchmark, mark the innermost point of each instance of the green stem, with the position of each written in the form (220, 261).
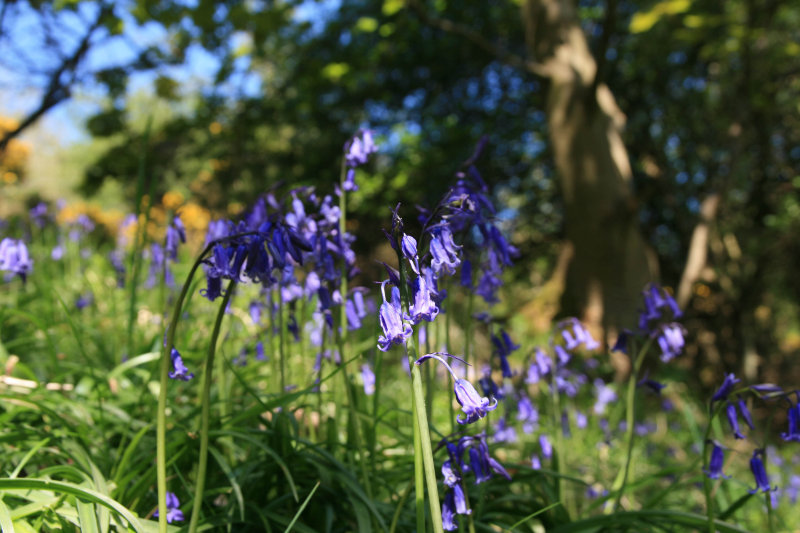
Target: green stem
(558, 434)
(205, 416)
(425, 447)
(630, 434)
(161, 416)
(419, 471)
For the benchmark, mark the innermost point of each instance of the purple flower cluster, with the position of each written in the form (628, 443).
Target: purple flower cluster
(455, 468)
(14, 258)
(174, 514)
(357, 151)
(734, 405)
(657, 320)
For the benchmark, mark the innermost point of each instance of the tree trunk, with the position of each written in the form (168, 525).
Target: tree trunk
(611, 263)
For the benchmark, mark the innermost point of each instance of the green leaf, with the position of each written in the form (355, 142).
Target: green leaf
(303, 506)
(61, 487)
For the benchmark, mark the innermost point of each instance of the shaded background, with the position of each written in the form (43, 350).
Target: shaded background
(629, 141)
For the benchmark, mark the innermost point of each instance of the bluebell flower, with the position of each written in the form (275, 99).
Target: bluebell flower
(536, 463)
(759, 473)
(260, 354)
(116, 257)
(174, 514)
(368, 377)
(793, 415)
(38, 214)
(725, 389)
(395, 329)
(659, 306)
(767, 390)
(562, 355)
(408, 246)
(472, 404)
(423, 307)
(449, 512)
(466, 273)
(745, 412)
(504, 346)
(503, 432)
(651, 384)
(546, 447)
(715, 463)
(581, 421)
(575, 334)
(444, 252)
(14, 258)
(481, 464)
(176, 234)
(490, 282)
(179, 369)
(539, 367)
(359, 148)
(451, 476)
(157, 265)
(605, 395)
(353, 318)
(58, 251)
(670, 340)
(527, 414)
(622, 341)
(489, 387)
(84, 300)
(213, 287)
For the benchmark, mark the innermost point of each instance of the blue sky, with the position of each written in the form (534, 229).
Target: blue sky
(27, 59)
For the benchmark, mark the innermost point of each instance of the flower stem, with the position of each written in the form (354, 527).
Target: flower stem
(422, 436)
(630, 434)
(161, 417)
(425, 445)
(205, 416)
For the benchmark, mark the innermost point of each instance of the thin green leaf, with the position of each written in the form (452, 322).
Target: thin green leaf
(6, 523)
(75, 490)
(303, 506)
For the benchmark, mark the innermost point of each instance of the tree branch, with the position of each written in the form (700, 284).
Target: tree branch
(57, 89)
(698, 249)
(502, 54)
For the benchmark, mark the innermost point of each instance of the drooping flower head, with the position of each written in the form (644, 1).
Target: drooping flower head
(725, 389)
(793, 416)
(472, 404)
(180, 371)
(395, 329)
(174, 514)
(576, 334)
(715, 463)
(368, 377)
(14, 258)
(504, 346)
(760, 473)
(659, 307)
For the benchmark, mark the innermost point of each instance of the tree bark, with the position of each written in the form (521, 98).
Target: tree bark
(611, 263)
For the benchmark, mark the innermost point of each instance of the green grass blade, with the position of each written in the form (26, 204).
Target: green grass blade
(87, 517)
(6, 523)
(303, 506)
(532, 515)
(74, 490)
(35, 448)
